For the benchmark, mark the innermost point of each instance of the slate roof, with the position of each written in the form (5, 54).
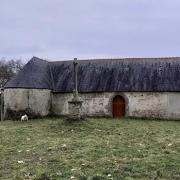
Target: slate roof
(105, 75)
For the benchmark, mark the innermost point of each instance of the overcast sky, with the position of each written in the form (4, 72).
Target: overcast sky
(63, 29)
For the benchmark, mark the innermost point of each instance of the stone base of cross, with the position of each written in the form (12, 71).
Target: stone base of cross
(74, 108)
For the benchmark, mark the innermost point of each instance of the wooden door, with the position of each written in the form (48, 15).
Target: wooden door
(118, 107)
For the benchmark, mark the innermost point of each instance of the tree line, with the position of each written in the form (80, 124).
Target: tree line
(9, 68)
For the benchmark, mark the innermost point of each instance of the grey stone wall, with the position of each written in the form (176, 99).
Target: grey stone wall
(173, 106)
(146, 104)
(94, 104)
(43, 102)
(35, 102)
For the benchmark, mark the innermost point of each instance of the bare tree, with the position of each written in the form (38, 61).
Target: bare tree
(8, 68)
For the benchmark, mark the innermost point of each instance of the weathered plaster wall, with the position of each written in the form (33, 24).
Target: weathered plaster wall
(146, 104)
(173, 108)
(36, 102)
(42, 103)
(94, 104)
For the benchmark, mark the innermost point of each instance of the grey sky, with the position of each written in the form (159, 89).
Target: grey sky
(63, 29)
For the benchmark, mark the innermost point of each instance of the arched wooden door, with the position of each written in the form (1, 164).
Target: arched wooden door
(118, 107)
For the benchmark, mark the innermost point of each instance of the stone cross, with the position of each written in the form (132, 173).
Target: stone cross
(75, 79)
(75, 105)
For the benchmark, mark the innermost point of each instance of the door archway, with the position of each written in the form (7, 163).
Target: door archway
(118, 107)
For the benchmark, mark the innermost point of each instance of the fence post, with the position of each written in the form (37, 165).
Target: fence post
(2, 103)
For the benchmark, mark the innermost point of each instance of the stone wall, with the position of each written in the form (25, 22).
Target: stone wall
(146, 104)
(94, 104)
(43, 102)
(173, 107)
(34, 102)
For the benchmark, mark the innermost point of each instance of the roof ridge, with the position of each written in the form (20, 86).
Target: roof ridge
(126, 58)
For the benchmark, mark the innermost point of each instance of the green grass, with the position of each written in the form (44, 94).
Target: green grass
(94, 149)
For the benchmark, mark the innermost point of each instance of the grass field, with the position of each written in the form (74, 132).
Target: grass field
(94, 149)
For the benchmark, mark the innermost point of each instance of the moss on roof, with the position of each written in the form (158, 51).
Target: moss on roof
(105, 75)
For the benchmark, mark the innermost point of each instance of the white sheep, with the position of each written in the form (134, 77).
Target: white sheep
(24, 118)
